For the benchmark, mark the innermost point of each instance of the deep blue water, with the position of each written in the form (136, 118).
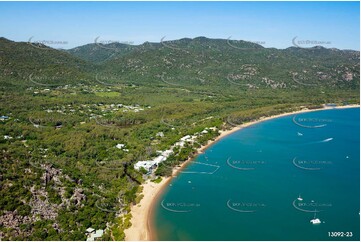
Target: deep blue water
(245, 187)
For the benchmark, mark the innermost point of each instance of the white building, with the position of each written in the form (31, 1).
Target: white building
(150, 164)
(120, 146)
(93, 234)
(185, 138)
(160, 134)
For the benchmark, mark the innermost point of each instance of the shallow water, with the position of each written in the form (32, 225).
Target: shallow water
(246, 186)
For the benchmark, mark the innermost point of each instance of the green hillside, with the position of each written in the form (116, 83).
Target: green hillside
(68, 112)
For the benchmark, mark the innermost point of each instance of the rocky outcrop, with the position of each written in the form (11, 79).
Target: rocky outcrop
(78, 196)
(11, 220)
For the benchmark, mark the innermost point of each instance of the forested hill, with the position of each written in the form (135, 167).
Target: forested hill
(221, 62)
(31, 63)
(200, 63)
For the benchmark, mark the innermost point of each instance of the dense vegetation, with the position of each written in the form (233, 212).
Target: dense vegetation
(61, 171)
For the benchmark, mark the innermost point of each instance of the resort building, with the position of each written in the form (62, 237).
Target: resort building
(93, 234)
(149, 165)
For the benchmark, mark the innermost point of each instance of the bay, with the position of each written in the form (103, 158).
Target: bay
(267, 181)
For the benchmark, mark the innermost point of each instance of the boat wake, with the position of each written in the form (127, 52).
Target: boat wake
(318, 142)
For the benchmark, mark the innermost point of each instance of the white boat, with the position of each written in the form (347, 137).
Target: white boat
(315, 220)
(299, 198)
(299, 134)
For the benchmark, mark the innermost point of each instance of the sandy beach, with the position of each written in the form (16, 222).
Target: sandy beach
(142, 212)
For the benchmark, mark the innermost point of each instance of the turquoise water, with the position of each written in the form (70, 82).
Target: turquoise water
(245, 187)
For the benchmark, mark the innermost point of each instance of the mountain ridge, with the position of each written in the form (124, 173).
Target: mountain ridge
(199, 62)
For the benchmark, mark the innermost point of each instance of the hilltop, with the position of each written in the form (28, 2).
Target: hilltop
(202, 63)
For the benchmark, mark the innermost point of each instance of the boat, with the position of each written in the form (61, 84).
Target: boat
(299, 134)
(315, 220)
(299, 198)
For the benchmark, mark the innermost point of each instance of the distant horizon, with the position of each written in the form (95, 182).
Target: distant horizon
(172, 40)
(274, 24)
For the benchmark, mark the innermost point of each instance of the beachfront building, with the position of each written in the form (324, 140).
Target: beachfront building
(149, 165)
(330, 105)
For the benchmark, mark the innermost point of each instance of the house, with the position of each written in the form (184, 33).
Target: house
(151, 164)
(90, 230)
(185, 138)
(160, 134)
(7, 137)
(120, 146)
(147, 165)
(166, 153)
(331, 105)
(3, 118)
(93, 234)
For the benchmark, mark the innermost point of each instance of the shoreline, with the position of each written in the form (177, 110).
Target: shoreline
(141, 228)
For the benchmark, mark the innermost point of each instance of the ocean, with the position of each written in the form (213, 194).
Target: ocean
(268, 181)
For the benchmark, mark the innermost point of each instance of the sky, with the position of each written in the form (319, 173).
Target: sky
(271, 24)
